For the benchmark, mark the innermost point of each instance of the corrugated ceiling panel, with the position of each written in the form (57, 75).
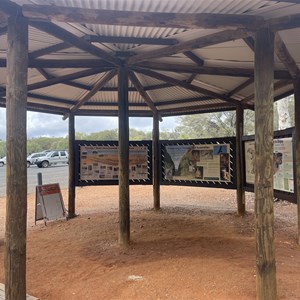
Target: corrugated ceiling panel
(2, 77)
(45, 102)
(148, 81)
(39, 39)
(291, 38)
(172, 93)
(221, 84)
(34, 76)
(63, 72)
(61, 91)
(3, 45)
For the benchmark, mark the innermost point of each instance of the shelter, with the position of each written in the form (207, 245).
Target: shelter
(146, 58)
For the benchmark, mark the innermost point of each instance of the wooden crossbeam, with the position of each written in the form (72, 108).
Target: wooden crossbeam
(107, 77)
(198, 108)
(48, 50)
(145, 19)
(135, 81)
(10, 8)
(277, 85)
(250, 42)
(193, 57)
(44, 73)
(287, 1)
(285, 57)
(130, 40)
(60, 79)
(201, 42)
(68, 37)
(241, 87)
(185, 85)
(285, 23)
(66, 63)
(221, 71)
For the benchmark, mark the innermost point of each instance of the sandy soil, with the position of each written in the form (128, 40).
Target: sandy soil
(196, 247)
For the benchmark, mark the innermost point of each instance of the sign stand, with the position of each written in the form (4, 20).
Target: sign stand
(49, 203)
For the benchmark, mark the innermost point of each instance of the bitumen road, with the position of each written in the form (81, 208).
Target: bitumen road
(53, 174)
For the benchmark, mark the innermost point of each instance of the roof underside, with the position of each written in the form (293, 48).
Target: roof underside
(174, 68)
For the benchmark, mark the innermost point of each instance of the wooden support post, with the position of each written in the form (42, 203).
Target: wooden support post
(263, 186)
(240, 193)
(124, 211)
(297, 149)
(72, 189)
(16, 170)
(155, 160)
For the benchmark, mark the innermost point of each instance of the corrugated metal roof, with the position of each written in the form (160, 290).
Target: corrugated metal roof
(232, 54)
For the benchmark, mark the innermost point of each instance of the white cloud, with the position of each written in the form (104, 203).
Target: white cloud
(40, 124)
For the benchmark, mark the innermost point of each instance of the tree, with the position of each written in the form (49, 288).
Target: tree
(284, 113)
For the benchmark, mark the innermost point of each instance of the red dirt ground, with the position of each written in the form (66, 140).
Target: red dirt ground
(196, 247)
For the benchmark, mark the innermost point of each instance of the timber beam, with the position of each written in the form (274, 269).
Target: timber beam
(106, 78)
(240, 87)
(135, 81)
(285, 57)
(68, 37)
(201, 42)
(185, 85)
(220, 71)
(144, 19)
(61, 79)
(277, 85)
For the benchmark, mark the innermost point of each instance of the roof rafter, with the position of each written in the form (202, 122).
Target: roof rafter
(241, 87)
(277, 85)
(145, 19)
(285, 23)
(10, 8)
(197, 108)
(60, 79)
(201, 42)
(135, 81)
(185, 85)
(221, 71)
(193, 57)
(285, 57)
(72, 39)
(106, 78)
(48, 50)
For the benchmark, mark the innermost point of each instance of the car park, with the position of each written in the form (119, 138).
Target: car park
(53, 158)
(31, 159)
(2, 161)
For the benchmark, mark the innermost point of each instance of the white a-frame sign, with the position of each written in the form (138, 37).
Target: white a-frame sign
(49, 203)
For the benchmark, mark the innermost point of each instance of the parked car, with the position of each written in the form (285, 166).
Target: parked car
(53, 158)
(31, 159)
(2, 161)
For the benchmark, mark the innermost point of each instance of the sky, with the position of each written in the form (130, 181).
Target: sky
(40, 124)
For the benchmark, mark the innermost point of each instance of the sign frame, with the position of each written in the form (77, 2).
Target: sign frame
(50, 208)
(201, 183)
(80, 182)
(284, 195)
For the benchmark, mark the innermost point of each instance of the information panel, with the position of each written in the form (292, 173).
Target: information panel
(49, 203)
(99, 163)
(198, 162)
(282, 164)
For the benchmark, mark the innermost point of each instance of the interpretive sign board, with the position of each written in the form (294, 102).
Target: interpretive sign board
(282, 164)
(49, 203)
(208, 162)
(98, 163)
